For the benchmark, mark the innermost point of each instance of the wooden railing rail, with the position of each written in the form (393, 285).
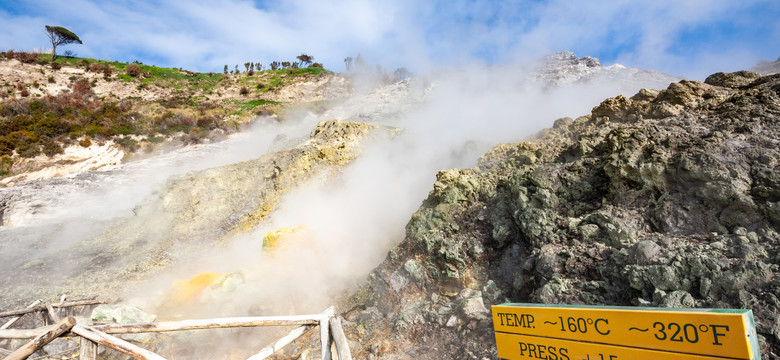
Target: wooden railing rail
(331, 332)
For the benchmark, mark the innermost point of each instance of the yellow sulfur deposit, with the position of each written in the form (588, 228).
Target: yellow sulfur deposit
(185, 290)
(271, 239)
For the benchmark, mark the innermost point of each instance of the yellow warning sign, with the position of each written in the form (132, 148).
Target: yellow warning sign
(720, 333)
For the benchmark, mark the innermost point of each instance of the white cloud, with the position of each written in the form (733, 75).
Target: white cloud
(205, 35)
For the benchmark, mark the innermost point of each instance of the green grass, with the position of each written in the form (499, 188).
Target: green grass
(160, 76)
(251, 104)
(183, 80)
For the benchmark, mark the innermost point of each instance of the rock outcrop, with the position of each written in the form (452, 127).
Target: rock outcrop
(564, 67)
(665, 199)
(766, 67)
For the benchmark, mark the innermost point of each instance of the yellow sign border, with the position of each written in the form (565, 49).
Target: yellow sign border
(720, 333)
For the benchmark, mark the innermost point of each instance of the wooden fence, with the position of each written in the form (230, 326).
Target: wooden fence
(331, 332)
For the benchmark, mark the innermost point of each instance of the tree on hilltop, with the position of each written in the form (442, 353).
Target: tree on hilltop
(361, 64)
(306, 59)
(348, 63)
(59, 35)
(402, 73)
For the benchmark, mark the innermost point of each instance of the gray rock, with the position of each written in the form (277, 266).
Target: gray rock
(398, 281)
(732, 80)
(776, 328)
(678, 299)
(452, 321)
(547, 263)
(61, 347)
(644, 252)
(471, 305)
(121, 314)
(415, 270)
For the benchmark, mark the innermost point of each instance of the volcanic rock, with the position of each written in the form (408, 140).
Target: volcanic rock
(664, 199)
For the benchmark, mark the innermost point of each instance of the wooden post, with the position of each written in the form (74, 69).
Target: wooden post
(52, 314)
(22, 333)
(41, 340)
(279, 344)
(325, 340)
(292, 335)
(313, 319)
(88, 349)
(13, 319)
(342, 347)
(115, 343)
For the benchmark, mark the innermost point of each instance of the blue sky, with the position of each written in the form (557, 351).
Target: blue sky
(688, 38)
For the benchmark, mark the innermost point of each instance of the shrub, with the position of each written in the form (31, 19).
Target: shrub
(51, 147)
(155, 139)
(96, 67)
(82, 86)
(315, 65)
(27, 58)
(25, 142)
(208, 122)
(244, 90)
(83, 62)
(106, 71)
(24, 93)
(86, 142)
(10, 54)
(5, 166)
(35, 106)
(6, 146)
(129, 144)
(133, 70)
(51, 80)
(55, 65)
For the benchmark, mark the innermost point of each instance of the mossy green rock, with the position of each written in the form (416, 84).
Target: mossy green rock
(667, 198)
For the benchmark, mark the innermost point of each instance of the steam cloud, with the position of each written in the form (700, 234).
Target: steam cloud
(350, 222)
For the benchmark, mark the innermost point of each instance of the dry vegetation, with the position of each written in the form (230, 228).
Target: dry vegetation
(45, 106)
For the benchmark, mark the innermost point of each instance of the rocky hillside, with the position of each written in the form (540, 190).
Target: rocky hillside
(190, 214)
(71, 115)
(666, 199)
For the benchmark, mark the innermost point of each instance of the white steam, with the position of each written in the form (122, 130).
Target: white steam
(350, 222)
(346, 224)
